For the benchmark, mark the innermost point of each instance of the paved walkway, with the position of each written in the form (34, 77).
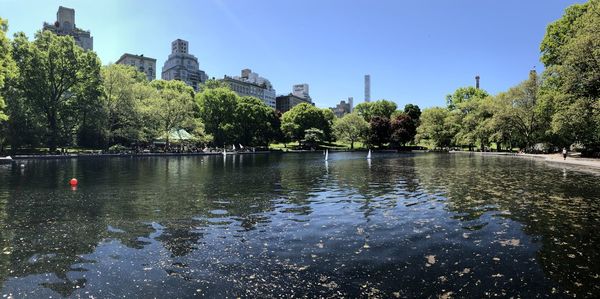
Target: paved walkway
(571, 159)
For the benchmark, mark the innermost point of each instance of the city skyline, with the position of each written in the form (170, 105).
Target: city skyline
(405, 47)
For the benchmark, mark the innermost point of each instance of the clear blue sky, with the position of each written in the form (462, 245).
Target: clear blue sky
(415, 51)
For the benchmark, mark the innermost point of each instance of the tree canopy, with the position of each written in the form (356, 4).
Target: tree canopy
(434, 129)
(304, 116)
(464, 94)
(381, 108)
(571, 51)
(217, 111)
(7, 66)
(351, 128)
(56, 77)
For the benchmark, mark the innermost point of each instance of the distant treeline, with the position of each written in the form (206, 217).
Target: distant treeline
(559, 108)
(54, 94)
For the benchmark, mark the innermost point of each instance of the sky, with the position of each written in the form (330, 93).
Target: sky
(415, 51)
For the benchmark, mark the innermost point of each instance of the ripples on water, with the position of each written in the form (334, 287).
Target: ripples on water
(400, 225)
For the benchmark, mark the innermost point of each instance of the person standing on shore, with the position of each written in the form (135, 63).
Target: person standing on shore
(564, 152)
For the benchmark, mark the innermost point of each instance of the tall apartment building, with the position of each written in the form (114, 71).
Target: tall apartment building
(65, 25)
(299, 95)
(183, 66)
(143, 64)
(301, 90)
(285, 103)
(342, 108)
(351, 103)
(251, 84)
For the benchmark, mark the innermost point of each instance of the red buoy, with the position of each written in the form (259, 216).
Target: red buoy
(73, 182)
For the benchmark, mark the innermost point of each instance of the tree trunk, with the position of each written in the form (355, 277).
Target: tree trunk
(53, 142)
(351, 145)
(167, 142)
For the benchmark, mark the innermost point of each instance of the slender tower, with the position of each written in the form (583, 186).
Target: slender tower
(367, 88)
(477, 81)
(351, 103)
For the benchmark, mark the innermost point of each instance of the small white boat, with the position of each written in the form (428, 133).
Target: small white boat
(369, 155)
(326, 155)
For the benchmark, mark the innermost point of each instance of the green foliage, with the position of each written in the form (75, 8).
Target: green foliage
(213, 84)
(217, 111)
(379, 131)
(435, 130)
(7, 66)
(255, 122)
(304, 116)
(172, 107)
(560, 32)
(521, 109)
(464, 94)
(58, 79)
(327, 125)
(578, 123)
(381, 108)
(403, 129)
(414, 112)
(571, 51)
(124, 92)
(231, 119)
(351, 128)
(312, 137)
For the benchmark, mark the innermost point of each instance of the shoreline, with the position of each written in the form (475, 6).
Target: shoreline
(128, 155)
(141, 155)
(550, 158)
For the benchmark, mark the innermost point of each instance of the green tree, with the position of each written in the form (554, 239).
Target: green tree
(122, 102)
(381, 108)
(570, 53)
(218, 113)
(327, 126)
(304, 116)
(7, 71)
(55, 76)
(414, 112)
(379, 131)
(403, 129)
(560, 32)
(434, 129)
(7, 66)
(312, 137)
(351, 128)
(578, 122)
(212, 84)
(254, 122)
(470, 122)
(520, 108)
(172, 107)
(464, 94)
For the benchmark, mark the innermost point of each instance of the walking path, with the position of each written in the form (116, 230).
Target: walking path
(572, 159)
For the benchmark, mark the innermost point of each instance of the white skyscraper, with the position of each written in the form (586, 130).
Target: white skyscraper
(301, 90)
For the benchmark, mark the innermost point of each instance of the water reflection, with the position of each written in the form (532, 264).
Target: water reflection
(269, 225)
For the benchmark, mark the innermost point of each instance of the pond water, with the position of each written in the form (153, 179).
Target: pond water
(283, 225)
